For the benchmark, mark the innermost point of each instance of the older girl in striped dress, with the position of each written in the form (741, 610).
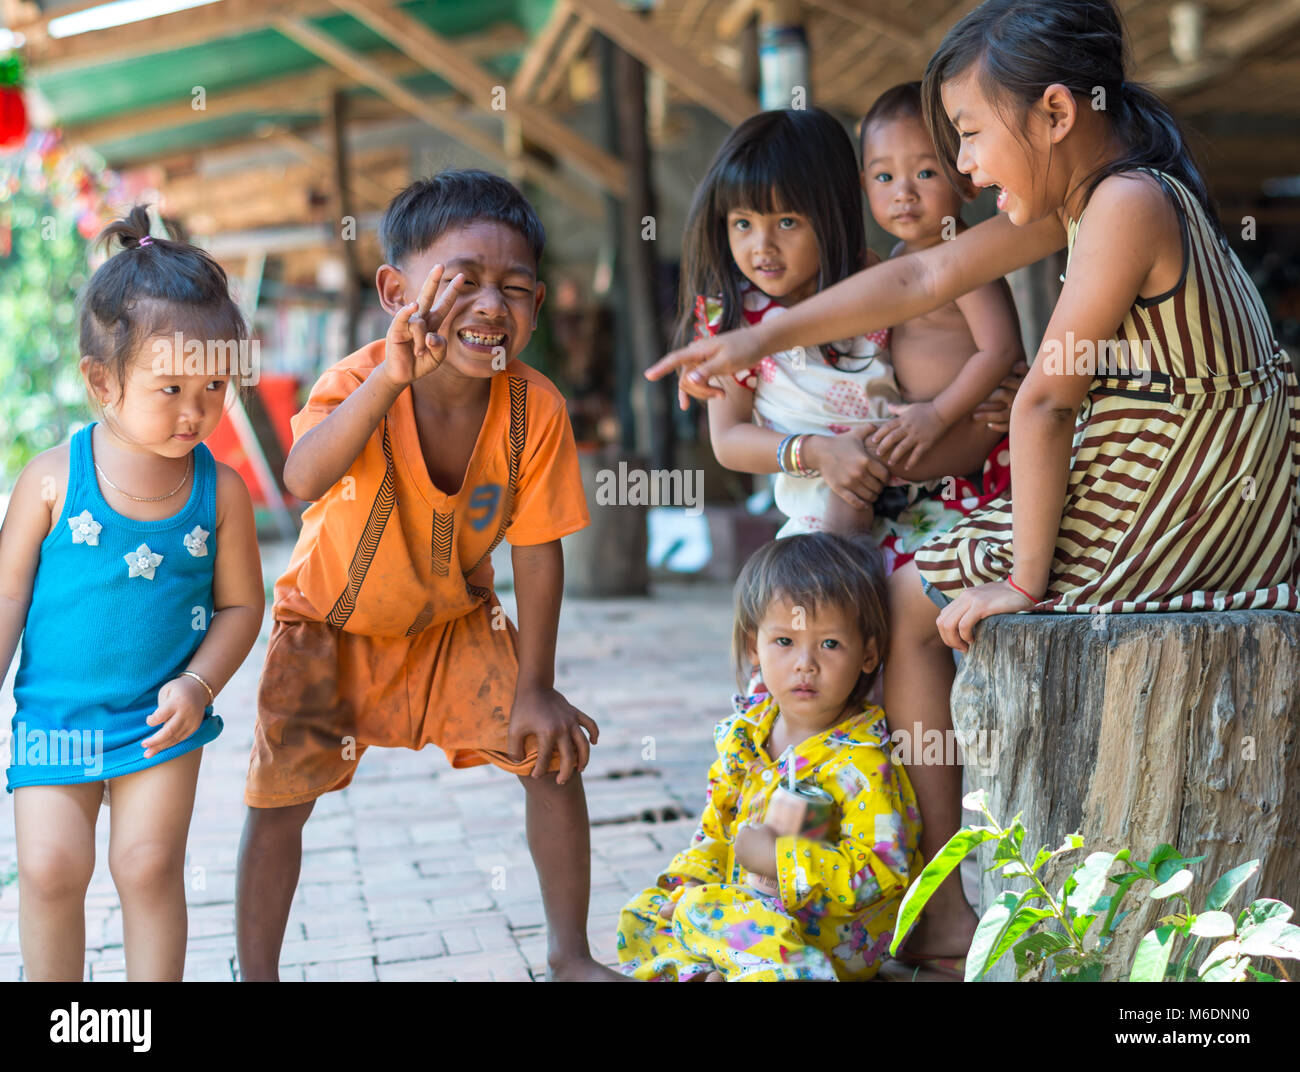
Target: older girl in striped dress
(1169, 482)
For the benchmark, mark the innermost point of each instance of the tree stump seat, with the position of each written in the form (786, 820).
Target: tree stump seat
(1134, 730)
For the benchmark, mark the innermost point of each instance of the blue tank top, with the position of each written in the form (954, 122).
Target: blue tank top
(118, 609)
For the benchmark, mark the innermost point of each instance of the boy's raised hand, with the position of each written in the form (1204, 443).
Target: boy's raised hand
(413, 347)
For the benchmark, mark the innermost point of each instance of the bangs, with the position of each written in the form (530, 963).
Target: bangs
(763, 177)
(219, 330)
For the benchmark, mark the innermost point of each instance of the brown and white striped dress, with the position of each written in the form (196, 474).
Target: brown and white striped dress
(1184, 493)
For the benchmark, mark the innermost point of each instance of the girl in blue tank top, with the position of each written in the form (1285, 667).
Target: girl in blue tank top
(129, 567)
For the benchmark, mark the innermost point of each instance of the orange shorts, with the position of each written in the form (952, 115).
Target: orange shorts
(325, 696)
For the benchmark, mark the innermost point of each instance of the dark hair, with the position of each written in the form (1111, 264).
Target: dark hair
(814, 570)
(153, 287)
(902, 101)
(428, 208)
(796, 160)
(1024, 46)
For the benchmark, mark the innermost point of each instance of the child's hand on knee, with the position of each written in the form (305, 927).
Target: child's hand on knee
(557, 726)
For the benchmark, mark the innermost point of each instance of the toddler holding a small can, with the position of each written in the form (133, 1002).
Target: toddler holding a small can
(809, 836)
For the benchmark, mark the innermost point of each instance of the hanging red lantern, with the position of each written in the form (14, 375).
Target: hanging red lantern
(13, 112)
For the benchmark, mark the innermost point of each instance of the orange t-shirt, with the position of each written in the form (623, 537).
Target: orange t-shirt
(386, 553)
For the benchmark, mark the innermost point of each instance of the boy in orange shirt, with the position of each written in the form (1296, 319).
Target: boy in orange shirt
(421, 451)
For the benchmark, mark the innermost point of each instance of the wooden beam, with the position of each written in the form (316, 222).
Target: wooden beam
(906, 31)
(373, 109)
(539, 51)
(703, 84)
(207, 184)
(1226, 44)
(182, 29)
(360, 69)
(687, 19)
(314, 154)
(571, 48)
(308, 91)
(164, 33)
(442, 58)
(733, 19)
(304, 89)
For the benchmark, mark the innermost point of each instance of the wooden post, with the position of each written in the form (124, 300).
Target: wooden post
(616, 294)
(1138, 729)
(347, 243)
(639, 234)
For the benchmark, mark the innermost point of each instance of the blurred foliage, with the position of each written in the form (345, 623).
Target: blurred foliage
(39, 278)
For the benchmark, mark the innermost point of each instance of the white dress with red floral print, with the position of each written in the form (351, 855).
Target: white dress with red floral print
(800, 391)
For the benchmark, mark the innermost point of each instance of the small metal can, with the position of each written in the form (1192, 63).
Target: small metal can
(805, 811)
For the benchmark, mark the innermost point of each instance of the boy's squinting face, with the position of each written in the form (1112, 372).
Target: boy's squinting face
(811, 661)
(496, 311)
(776, 251)
(909, 195)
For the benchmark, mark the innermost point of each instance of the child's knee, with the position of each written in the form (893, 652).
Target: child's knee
(912, 613)
(146, 865)
(50, 873)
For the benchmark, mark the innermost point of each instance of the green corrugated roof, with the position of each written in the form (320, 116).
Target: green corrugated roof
(103, 91)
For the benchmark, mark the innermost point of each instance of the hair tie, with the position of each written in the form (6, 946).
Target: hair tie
(147, 240)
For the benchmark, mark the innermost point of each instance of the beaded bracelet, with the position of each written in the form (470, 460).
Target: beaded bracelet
(798, 459)
(781, 455)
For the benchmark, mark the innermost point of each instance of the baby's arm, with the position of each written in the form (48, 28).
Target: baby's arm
(26, 524)
(238, 600)
(990, 315)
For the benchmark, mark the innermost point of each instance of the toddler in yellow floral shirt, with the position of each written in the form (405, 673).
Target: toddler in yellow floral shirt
(811, 612)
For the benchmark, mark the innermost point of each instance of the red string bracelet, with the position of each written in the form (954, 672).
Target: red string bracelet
(1021, 590)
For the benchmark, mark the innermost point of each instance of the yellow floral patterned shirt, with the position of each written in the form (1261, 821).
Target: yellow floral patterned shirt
(876, 855)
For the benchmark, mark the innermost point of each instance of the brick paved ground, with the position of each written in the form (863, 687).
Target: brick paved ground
(419, 872)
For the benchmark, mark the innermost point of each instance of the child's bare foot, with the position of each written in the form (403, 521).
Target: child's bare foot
(582, 970)
(715, 976)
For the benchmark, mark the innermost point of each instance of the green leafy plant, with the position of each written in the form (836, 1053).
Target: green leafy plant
(1070, 931)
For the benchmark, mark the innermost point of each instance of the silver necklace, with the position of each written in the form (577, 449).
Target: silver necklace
(150, 498)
